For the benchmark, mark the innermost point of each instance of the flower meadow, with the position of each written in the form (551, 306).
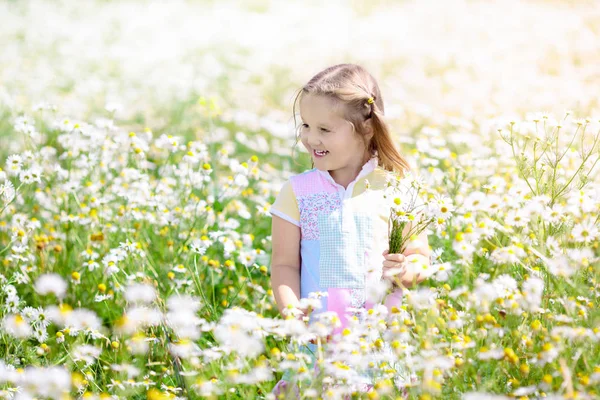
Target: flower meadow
(135, 242)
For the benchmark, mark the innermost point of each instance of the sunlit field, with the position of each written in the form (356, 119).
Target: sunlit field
(142, 144)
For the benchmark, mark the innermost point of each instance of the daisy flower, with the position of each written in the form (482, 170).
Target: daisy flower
(7, 192)
(140, 293)
(585, 232)
(51, 283)
(17, 326)
(87, 353)
(14, 164)
(442, 207)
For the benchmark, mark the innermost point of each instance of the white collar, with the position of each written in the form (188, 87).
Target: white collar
(365, 170)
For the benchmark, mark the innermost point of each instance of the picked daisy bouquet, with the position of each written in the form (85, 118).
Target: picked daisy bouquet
(406, 208)
(409, 216)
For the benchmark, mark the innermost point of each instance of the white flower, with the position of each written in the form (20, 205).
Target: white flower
(525, 390)
(254, 376)
(505, 285)
(484, 294)
(463, 248)
(102, 297)
(7, 191)
(422, 298)
(547, 355)
(207, 388)
(128, 246)
(23, 124)
(518, 217)
(138, 344)
(585, 232)
(582, 257)
(33, 174)
(87, 353)
(130, 370)
(180, 268)
(442, 207)
(183, 302)
(443, 271)
(458, 291)
(491, 354)
(111, 263)
(553, 246)
(51, 382)
(484, 396)
(553, 215)
(377, 289)
(16, 325)
(507, 255)
(14, 164)
(561, 266)
(236, 330)
(533, 288)
(140, 293)
(36, 316)
(12, 303)
(199, 246)
(76, 320)
(10, 290)
(138, 317)
(40, 334)
(581, 201)
(51, 283)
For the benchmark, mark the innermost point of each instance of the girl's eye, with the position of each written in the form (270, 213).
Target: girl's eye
(305, 126)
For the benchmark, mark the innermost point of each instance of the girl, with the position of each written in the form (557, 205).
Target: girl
(330, 224)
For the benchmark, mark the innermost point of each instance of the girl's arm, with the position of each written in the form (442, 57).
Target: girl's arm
(285, 263)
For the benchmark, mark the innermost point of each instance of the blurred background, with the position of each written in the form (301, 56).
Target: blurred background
(147, 63)
(167, 127)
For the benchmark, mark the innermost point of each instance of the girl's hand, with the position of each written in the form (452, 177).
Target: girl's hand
(394, 266)
(303, 314)
(291, 312)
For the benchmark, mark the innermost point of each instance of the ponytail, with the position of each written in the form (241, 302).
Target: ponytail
(390, 158)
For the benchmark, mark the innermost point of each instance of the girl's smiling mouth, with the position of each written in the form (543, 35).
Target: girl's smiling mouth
(320, 153)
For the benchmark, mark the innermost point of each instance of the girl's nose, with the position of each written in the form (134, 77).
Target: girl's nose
(314, 143)
(312, 140)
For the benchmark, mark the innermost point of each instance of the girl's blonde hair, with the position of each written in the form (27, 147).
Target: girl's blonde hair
(352, 86)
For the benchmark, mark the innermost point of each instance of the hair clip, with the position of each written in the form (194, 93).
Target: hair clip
(370, 100)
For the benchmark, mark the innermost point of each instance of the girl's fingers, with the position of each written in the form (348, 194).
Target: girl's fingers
(395, 257)
(393, 264)
(391, 274)
(394, 268)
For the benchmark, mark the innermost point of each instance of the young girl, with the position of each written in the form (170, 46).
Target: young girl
(330, 224)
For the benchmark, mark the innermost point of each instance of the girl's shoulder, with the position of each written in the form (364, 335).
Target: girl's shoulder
(307, 182)
(379, 178)
(294, 179)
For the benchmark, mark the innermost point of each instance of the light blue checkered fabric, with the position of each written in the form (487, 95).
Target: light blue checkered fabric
(342, 258)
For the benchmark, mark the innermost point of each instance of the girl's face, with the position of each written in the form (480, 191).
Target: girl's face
(324, 129)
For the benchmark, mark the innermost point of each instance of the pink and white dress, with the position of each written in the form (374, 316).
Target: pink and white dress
(344, 232)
